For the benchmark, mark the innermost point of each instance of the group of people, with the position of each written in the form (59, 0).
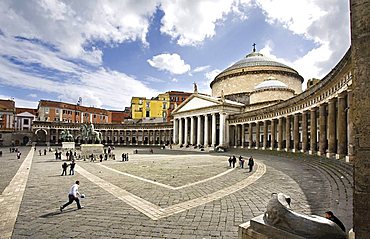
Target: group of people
(232, 162)
(124, 157)
(71, 169)
(40, 152)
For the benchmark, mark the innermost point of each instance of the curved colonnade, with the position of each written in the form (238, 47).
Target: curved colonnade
(135, 134)
(315, 121)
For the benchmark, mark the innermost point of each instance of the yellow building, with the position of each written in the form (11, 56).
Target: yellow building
(155, 108)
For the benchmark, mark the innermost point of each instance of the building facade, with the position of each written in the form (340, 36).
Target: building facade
(276, 116)
(53, 111)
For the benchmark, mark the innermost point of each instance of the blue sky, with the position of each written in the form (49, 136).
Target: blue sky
(108, 51)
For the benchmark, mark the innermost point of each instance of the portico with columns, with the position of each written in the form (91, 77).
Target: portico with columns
(201, 121)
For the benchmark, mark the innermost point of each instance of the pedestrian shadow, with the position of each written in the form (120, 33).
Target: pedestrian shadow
(51, 214)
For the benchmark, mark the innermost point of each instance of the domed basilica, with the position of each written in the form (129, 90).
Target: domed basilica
(259, 103)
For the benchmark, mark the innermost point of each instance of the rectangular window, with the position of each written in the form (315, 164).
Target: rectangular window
(148, 114)
(164, 106)
(26, 121)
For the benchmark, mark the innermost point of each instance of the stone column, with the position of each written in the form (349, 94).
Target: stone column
(280, 136)
(341, 127)
(313, 131)
(360, 108)
(192, 131)
(199, 130)
(186, 134)
(160, 137)
(287, 133)
(258, 129)
(304, 132)
(214, 130)
(131, 136)
(137, 137)
(322, 123)
(265, 134)
(273, 134)
(332, 129)
(236, 135)
(175, 130)
(222, 128)
(206, 142)
(350, 132)
(180, 132)
(56, 136)
(296, 133)
(250, 135)
(243, 136)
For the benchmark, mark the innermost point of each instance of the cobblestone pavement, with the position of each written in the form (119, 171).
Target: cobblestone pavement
(157, 195)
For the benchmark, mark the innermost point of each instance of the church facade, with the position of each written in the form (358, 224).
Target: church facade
(258, 103)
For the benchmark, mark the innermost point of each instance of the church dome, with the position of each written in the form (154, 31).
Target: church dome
(255, 72)
(270, 83)
(256, 59)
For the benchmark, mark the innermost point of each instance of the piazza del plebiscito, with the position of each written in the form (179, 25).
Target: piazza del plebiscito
(255, 103)
(259, 103)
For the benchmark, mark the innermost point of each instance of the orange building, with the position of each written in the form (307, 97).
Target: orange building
(7, 114)
(176, 98)
(53, 111)
(118, 117)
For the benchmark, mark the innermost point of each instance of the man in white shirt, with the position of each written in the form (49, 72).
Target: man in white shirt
(72, 196)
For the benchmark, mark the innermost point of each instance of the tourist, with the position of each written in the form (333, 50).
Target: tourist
(106, 157)
(123, 157)
(72, 168)
(101, 157)
(72, 196)
(67, 155)
(44, 151)
(241, 162)
(40, 152)
(56, 155)
(64, 167)
(234, 161)
(19, 155)
(127, 157)
(230, 161)
(60, 155)
(250, 164)
(330, 215)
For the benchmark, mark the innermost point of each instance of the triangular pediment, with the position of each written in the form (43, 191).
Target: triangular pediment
(196, 103)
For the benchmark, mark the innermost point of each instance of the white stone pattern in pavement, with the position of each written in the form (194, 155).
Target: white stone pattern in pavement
(168, 186)
(155, 212)
(11, 198)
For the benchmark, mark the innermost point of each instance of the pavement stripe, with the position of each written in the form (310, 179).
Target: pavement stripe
(136, 202)
(155, 212)
(11, 198)
(165, 185)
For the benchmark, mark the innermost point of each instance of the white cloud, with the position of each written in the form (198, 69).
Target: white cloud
(32, 95)
(71, 26)
(21, 103)
(175, 80)
(324, 22)
(201, 68)
(98, 87)
(169, 62)
(191, 22)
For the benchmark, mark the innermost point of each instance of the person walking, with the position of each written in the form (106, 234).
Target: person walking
(241, 162)
(44, 151)
(40, 152)
(230, 161)
(72, 168)
(250, 164)
(64, 167)
(19, 155)
(330, 215)
(73, 196)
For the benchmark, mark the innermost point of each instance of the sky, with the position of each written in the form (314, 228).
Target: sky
(109, 51)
